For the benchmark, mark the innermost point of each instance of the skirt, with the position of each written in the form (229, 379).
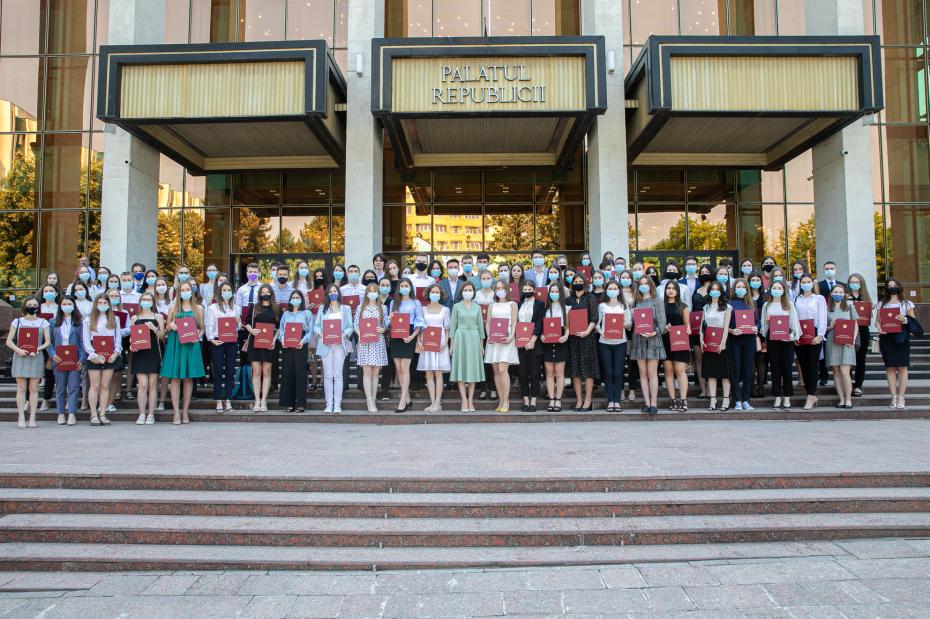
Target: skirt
(501, 353)
(894, 354)
(680, 356)
(555, 353)
(403, 350)
(716, 365)
(116, 365)
(28, 367)
(146, 361)
(261, 355)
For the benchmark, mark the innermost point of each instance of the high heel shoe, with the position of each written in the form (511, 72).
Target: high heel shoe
(551, 407)
(558, 407)
(726, 404)
(713, 404)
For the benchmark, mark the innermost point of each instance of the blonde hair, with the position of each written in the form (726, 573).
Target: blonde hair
(176, 305)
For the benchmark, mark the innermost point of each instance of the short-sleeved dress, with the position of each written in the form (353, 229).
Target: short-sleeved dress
(148, 361)
(374, 353)
(501, 353)
(467, 331)
(436, 361)
(29, 367)
(840, 355)
(650, 347)
(182, 360)
(584, 361)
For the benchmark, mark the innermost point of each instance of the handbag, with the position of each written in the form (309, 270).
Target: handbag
(243, 388)
(914, 327)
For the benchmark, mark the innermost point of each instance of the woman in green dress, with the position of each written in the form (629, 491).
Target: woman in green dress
(467, 333)
(183, 362)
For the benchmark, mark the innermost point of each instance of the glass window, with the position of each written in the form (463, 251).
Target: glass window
(654, 185)
(408, 18)
(68, 98)
(310, 19)
(21, 30)
(18, 171)
(61, 240)
(20, 84)
(168, 255)
(714, 185)
(214, 21)
(457, 18)
(802, 234)
(507, 228)
(215, 234)
(63, 170)
(339, 229)
(882, 234)
(799, 177)
(93, 147)
(170, 179)
(661, 226)
(762, 14)
(901, 22)
(652, 17)
(510, 18)
(341, 34)
(556, 17)
(510, 185)
(17, 250)
(208, 190)
(710, 226)
(396, 236)
(177, 21)
(71, 26)
(262, 20)
(701, 17)
(90, 230)
(905, 75)
(761, 231)
(256, 188)
(760, 186)
(457, 185)
(256, 230)
(193, 240)
(907, 172)
(305, 229)
(310, 187)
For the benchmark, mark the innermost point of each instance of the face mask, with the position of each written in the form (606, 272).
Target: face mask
(723, 279)
(798, 275)
(577, 287)
(114, 301)
(183, 277)
(453, 273)
(150, 281)
(403, 290)
(598, 283)
(626, 282)
(671, 275)
(500, 294)
(755, 284)
(613, 293)
(690, 269)
(102, 308)
(714, 294)
(643, 288)
(740, 292)
(84, 277)
(705, 278)
(226, 295)
(32, 310)
(266, 297)
(373, 296)
(338, 275)
(807, 286)
(368, 282)
(609, 268)
(553, 277)
(49, 296)
(102, 276)
(468, 295)
(777, 292)
(894, 290)
(538, 262)
(486, 283)
(483, 266)
(385, 290)
(113, 285)
(421, 266)
(353, 278)
(146, 305)
(211, 274)
(746, 270)
(585, 262)
(829, 273)
(127, 286)
(855, 286)
(527, 294)
(282, 280)
(768, 267)
(569, 279)
(837, 297)
(435, 273)
(467, 267)
(253, 277)
(67, 309)
(778, 278)
(303, 272)
(554, 296)
(186, 295)
(637, 274)
(434, 297)
(504, 275)
(162, 289)
(333, 296)
(80, 294)
(620, 266)
(274, 273)
(318, 282)
(295, 302)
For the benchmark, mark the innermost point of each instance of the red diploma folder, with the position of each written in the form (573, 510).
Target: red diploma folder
(45, 316)
(888, 319)
(713, 337)
(226, 330)
(432, 339)
(187, 330)
(552, 330)
(139, 338)
(577, 321)
(27, 338)
(400, 326)
(316, 297)
(484, 312)
(500, 328)
(332, 332)
(368, 331)
(745, 319)
(844, 332)
(264, 339)
(293, 333)
(864, 311)
(808, 332)
(643, 320)
(351, 301)
(516, 294)
(694, 321)
(613, 326)
(586, 271)
(69, 358)
(123, 318)
(245, 314)
(103, 345)
(524, 333)
(421, 295)
(542, 293)
(131, 308)
(678, 338)
(779, 329)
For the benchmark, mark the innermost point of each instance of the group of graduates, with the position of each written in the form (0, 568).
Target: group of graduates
(465, 323)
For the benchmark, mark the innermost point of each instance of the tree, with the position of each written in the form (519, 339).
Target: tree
(17, 230)
(169, 240)
(701, 235)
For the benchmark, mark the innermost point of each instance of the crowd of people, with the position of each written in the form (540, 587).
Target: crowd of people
(466, 324)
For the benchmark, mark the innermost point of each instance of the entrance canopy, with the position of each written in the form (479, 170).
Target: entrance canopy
(748, 102)
(500, 101)
(229, 107)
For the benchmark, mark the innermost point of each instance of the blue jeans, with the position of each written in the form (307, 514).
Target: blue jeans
(742, 357)
(224, 369)
(612, 358)
(67, 383)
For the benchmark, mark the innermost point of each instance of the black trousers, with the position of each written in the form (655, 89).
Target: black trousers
(742, 359)
(293, 377)
(808, 359)
(528, 372)
(861, 353)
(387, 373)
(781, 363)
(224, 369)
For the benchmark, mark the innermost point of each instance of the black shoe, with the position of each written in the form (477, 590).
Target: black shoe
(857, 392)
(585, 409)
(823, 382)
(644, 409)
(652, 410)
(531, 408)
(525, 408)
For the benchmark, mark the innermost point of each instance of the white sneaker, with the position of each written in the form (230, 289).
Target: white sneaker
(328, 409)
(337, 409)
(150, 420)
(61, 419)
(747, 406)
(43, 405)
(160, 408)
(140, 420)
(111, 409)
(738, 407)
(229, 406)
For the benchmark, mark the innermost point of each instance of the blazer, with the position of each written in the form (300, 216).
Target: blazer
(345, 314)
(824, 288)
(447, 291)
(75, 338)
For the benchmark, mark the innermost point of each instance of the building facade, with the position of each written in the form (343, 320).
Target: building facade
(552, 149)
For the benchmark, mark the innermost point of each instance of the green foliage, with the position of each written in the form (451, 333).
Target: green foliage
(17, 230)
(703, 235)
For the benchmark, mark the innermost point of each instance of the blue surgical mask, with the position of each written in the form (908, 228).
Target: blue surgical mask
(798, 275)
(127, 286)
(553, 277)
(746, 270)
(338, 275)
(643, 288)
(372, 295)
(333, 296)
(554, 296)
(637, 274)
(227, 295)
(404, 291)
(829, 273)
(714, 294)
(149, 281)
(482, 266)
(777, 292)
(626, 282)
(778, 278)
(598, 283)
(49, 296)
(211, 274)
(295, 302)
(613, 293)
(67, 309)
(807, 286)
(435, 272)
(385, 290)
(84, 277)
(467, 267)
(486, 283)
(186, 295)
(102, 308)
(723, 279)
(504, 275)
(353, 278)
(146, 305)
(183, 277)
(690, 269)
(538, 262)
(80, 294)
(740, 292)
(585, 262)
(755, 284)
(855, 286)
(434, 297)
(303, 272)
(453, 273)
(568, 279)
(114, 301)
(113, 285)
(138, 276)
(837, 297)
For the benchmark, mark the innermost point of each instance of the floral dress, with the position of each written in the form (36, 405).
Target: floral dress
(373, 354)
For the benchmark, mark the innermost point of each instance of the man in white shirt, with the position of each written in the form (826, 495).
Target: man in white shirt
(247, 295)
(353, 288)
(419, 277)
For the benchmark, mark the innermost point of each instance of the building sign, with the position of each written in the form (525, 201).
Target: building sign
(487, 83)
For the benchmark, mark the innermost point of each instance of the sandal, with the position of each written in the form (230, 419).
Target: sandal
(713, 404)
(684, 406)
(726, 404)
(551, 407)
(558, 407)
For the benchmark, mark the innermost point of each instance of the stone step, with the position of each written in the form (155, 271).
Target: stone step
(457, 532)
(462, 505)
(461, 485)
(118, 557)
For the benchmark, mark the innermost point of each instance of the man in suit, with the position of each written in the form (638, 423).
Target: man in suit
(538, 274)
(824, 287)
(451, 284)
(690, 280)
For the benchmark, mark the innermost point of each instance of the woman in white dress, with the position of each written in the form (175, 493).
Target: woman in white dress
(435, 363)
(501, 355)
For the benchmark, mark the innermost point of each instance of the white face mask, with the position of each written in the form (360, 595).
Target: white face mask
(468, 295)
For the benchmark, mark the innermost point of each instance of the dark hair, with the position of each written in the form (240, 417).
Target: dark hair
(329, 286)
(678, 302)
(537, 251)
(399, 297)
(561, 292)
(274, 305)
(379, 255)
(436, 263)
(886, 296)
(76, 317)
(843, 305)
(252, 265)
(722, 299)
(369, 272)
(323, 275)
(483, 256)
(451, 260)
(442, 295)
(303, 300)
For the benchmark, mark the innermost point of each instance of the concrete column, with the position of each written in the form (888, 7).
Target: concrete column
(129, 213)
(608, 203)
(364, 148)
(842, 167)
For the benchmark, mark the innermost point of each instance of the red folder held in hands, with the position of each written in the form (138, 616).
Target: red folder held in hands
(864, 311)
(888, 319)
(808, 332)
(844, 332)
(678, 338)
(368, 331)
(351, 301)
(779, 329)
(69, 358)
(552, 330)
(432, 339)
(27, 338)
(317, 297)
(103, 345)
(264, 339)
(293, 333)
(226, 330)
(542, 293)
(187, 330)
(694, 321)
(524, 333)
(139, 338)
(577, 321)
(643, 320)
(499, 329)
(400, 326)
(613, 326)
(123, 318)
(713, 338)
(332, 332)
(745, 320)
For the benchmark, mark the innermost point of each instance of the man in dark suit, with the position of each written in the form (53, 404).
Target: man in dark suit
(451, 284)
(824, 287)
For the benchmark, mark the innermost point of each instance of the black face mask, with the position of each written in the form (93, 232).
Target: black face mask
(528, 294)
(32, 311)
(895, 290)
(768, 267)
(655, 278)
(577, 287)
(318, 283)
(368, 282)
(421, 266)
(282, 280)
(671, 275)
(266, 297)
(705, 278)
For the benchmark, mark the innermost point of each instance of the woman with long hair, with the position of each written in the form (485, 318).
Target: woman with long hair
(333, 355)
(780, 352)
(613, 350)
(183, 362)
(223, 353)
(743, 344)
(101, 363)
(810, 306)
(402, 349)
(28, 366)
(716, 364)
(647, 348)
(675, 366)
(146, 364)
(501, 355)
(262, 359)
(434, 363)
(555, 354)
(895, 347)
(840, 357)
(372, 356)
(584, 367)
(859, 292)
